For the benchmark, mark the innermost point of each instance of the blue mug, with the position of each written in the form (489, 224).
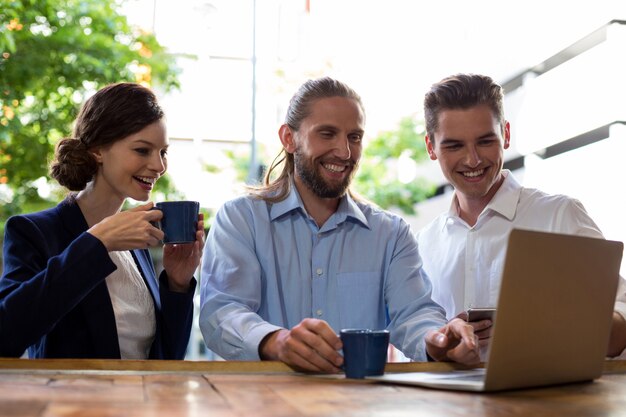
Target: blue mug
(364, 352)
(179, 222)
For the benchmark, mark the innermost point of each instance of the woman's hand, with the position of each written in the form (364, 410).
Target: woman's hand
(129, 229)
(180, 261)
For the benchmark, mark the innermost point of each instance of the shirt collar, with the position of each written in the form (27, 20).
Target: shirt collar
(347, 208)
(504, 202)
(290, 203)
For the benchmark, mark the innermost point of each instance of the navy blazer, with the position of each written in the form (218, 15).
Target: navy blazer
(54, 300)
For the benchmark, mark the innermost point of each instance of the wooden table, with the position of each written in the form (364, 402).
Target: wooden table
(90, 388)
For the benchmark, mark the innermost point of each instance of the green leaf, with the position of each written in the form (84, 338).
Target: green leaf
(52, 53)
(377, 178)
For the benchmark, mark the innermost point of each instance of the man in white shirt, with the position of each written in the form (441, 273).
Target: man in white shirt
(463, 249)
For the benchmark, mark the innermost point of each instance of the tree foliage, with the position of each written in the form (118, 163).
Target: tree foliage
(377, 178)
(53, 54)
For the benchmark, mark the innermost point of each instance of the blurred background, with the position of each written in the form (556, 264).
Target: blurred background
(224, 71)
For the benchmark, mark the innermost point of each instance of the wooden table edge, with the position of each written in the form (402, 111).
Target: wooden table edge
(12, 364)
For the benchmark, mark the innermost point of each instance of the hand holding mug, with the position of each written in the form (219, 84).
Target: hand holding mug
(183, 235)
(310, 346)
(180, 260)
(129, 229)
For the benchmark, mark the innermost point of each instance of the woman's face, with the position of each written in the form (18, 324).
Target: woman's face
(130, 167)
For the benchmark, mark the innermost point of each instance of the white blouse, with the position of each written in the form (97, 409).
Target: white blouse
(133, 307)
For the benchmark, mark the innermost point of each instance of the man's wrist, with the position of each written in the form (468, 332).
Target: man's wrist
(267, 347)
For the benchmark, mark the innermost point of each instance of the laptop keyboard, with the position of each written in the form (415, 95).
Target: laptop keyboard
(465, 377)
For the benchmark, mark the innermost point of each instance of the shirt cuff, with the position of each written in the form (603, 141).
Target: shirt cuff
(256, 336)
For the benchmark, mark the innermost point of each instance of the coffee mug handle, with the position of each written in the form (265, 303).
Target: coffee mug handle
(157, 223)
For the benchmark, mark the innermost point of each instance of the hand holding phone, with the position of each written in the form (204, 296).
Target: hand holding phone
(478, 314)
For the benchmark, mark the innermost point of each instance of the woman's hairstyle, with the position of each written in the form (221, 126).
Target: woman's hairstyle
(460, 92)
(274, 190)
(113, 113)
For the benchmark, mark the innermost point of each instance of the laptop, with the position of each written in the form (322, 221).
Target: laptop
(553, 317)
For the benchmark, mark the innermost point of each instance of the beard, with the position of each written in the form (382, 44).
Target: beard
(310, 176)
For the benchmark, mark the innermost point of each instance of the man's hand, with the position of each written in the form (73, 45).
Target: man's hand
(311, 346)
(482, 329)
(617, 341)
(455, 341)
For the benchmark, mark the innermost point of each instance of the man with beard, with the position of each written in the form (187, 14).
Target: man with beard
(289, 265)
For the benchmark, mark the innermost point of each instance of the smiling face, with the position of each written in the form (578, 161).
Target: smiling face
(327, 146)
(469, 145)
(130, 167)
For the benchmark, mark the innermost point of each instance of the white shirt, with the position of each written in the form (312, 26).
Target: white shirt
(133, 307)
(465, 263)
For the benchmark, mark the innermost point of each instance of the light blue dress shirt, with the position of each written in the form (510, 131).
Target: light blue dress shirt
(269, 266)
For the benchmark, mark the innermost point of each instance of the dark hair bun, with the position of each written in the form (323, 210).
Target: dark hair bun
(73, 166)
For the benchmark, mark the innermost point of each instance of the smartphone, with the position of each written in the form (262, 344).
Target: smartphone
(477, 314)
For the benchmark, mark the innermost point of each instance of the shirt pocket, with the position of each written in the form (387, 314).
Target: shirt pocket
(360, 299)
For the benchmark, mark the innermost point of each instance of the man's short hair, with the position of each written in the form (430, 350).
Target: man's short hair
(461, 92)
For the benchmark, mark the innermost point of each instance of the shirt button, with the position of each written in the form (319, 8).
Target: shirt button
(319, 271)
(319, 312)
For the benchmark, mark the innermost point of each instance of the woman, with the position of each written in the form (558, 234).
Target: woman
(78, 280)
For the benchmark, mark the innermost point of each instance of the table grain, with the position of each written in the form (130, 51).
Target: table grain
(110, 388)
